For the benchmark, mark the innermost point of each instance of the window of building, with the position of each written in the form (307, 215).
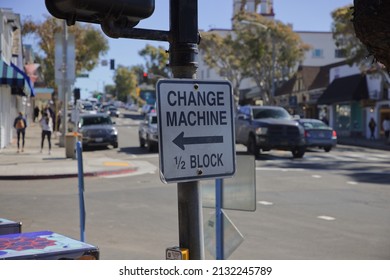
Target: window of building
(318, 53)
(343, 117)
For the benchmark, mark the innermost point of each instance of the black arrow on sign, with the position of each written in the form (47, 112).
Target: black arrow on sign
(180, 140)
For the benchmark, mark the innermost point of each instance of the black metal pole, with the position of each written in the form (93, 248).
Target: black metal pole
(183, 51)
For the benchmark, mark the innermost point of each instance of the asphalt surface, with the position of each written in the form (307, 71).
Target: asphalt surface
(32, 164)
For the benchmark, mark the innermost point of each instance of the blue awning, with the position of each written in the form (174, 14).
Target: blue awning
(17, 79)
(28, 89)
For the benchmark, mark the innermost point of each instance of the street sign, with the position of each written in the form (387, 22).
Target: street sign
(196, 130)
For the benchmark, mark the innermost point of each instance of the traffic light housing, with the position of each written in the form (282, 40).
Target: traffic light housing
(76, 94)
(145, 78)
(129, 12)
(112, 64)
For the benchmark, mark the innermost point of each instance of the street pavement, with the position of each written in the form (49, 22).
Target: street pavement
(31, 164)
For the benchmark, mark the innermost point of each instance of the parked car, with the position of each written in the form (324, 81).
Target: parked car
(87, 107)
(132, 107)
(113, 111)
(264, 128)
(146, 109)
(97, 130)
(318, 134)
(148, 132)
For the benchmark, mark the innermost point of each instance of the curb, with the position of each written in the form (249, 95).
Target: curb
(68, 175)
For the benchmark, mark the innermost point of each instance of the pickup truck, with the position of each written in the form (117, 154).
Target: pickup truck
(264, 128)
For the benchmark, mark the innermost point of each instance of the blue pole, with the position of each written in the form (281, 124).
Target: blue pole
(219, 219)
(81, 190)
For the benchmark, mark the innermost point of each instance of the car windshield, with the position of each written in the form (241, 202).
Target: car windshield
(313, 124)
(96, 120)
(274, 113)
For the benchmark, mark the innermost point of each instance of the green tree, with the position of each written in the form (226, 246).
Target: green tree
(90, 44)
(125, 80)
(271, 51)
(222, 54)
(110, 89)
(156, 61)
(345, 37)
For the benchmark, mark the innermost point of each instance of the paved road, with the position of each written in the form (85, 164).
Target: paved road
(325, 206)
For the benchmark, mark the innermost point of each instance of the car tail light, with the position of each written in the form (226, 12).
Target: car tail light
(307, 133)
(334, 134)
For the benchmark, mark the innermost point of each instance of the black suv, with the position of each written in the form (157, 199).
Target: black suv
(269, 127)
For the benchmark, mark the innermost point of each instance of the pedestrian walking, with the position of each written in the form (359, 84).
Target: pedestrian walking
(386, 128)
(372, 126)
(36, 113)
(47, 128)
(20, 125)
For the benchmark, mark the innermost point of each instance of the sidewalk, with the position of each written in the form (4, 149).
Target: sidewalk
(31, 164)
(378, 144)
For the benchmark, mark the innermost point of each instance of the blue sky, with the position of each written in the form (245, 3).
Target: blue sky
(304, 15)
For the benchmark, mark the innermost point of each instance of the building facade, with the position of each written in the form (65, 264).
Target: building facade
(15, 86)
(323, 50)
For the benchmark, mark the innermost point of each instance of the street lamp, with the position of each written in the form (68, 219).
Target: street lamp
(266, 28)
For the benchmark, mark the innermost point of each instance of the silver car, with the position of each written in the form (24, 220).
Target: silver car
(97, 130)
(148, 132)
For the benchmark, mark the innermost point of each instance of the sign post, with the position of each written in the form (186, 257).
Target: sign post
(196, 130)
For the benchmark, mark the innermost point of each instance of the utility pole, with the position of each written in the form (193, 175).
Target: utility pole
(183, 37)
(183, 52)
(64, 125)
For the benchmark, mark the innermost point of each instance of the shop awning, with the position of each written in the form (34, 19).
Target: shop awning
(351, 88)
(14, 77)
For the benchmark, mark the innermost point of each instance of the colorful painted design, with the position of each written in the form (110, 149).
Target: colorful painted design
(39, 243)
(21, 243)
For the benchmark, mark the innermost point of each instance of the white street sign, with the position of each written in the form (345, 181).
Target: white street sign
(196, 129)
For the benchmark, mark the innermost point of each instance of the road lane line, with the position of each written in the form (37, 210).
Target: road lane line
(265, 203)
(326, 218)
(352, 182)
(278, 169)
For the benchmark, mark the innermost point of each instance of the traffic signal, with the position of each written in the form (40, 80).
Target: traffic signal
(98, 11)
(112, 64)
(145, 78)
(76, 94)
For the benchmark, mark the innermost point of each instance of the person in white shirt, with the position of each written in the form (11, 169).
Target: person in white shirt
(47, 128)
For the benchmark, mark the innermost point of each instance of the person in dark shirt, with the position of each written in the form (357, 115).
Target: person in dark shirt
(20, 125)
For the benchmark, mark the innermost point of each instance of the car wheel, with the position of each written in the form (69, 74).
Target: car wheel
(150, 146)
(327, 149)
(115, 145)
(251, 146)
(298, 152)
(141, 141)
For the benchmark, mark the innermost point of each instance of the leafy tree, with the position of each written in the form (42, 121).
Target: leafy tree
(271, 51)
(125, 80)
(156, 62)
(344, 35)
(90, 44)
(222, 54)
(110, 89)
